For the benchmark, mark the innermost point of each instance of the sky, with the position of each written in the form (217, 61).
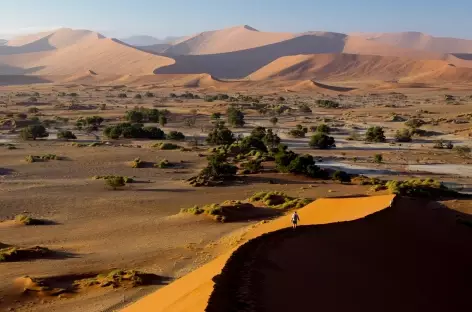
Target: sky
(162, 18)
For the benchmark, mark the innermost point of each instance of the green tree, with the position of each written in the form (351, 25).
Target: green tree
(162, 120)
(321, 141)
(274, 120)
(235, 117)
(134, 116)
(220, 135)
(378, 158)
(271, 139)
(33, 132)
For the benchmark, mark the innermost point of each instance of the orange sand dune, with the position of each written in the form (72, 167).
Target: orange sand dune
(353, 66)
(100, 55)
(192, 292)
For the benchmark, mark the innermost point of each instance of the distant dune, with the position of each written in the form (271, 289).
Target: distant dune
(354, 66)
(103, 56)
(421, 41)
(240, 53)
(226, 40)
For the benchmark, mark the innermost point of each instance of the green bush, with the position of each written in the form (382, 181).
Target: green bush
(252, 166)
(176, 136)
(428, 188)
(137, 163)
(375, 134)
(166, 146)
(164, 164)
(323, 128)
(321, 141)
(115, 182)
(66, 135)
(378, 158)
(341, 176)
(403, 135)
(297, 133)
(414, 123)
(273, 120)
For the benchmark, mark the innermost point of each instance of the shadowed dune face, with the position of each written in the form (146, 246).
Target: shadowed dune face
(242, 63)
(192, 292)
(413, 257)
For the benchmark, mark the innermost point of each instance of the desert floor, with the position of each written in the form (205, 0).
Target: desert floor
(95, 229)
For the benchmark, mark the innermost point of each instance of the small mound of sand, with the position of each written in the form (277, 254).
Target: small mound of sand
(13, 253)
(70, 284)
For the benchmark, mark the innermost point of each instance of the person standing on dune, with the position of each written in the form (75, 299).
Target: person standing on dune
(295, 219)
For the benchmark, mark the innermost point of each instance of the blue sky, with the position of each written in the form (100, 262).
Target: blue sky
(161, 18)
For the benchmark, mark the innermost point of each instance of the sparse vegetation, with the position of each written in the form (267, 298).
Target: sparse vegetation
(378, 158)
(375, 134)
(175, 135)
(341, 176)
(220, 135)
(66, 135)
(322, 141)
(46, 157)
(115, 182)
(419, 188)
(235, 117)
(33, 132)
(13, 253)
(26, 220)
(166, 146)
(403, 135)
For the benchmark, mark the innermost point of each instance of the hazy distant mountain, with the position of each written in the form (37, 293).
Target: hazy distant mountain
(3, 42)
(143, 40)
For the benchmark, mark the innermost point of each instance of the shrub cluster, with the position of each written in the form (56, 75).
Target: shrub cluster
(288, 161)
(428, 188)
(375, 134)
(46, 157)
(130, 131)
(142, 114)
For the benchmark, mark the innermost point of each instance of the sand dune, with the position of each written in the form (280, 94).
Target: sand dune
(421, 41)
(48, 41)
(352, 66)
(102, 56)
(394, 260)
(192, 292)
(226, 40)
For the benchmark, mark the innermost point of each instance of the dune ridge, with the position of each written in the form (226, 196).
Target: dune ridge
(192, 292)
